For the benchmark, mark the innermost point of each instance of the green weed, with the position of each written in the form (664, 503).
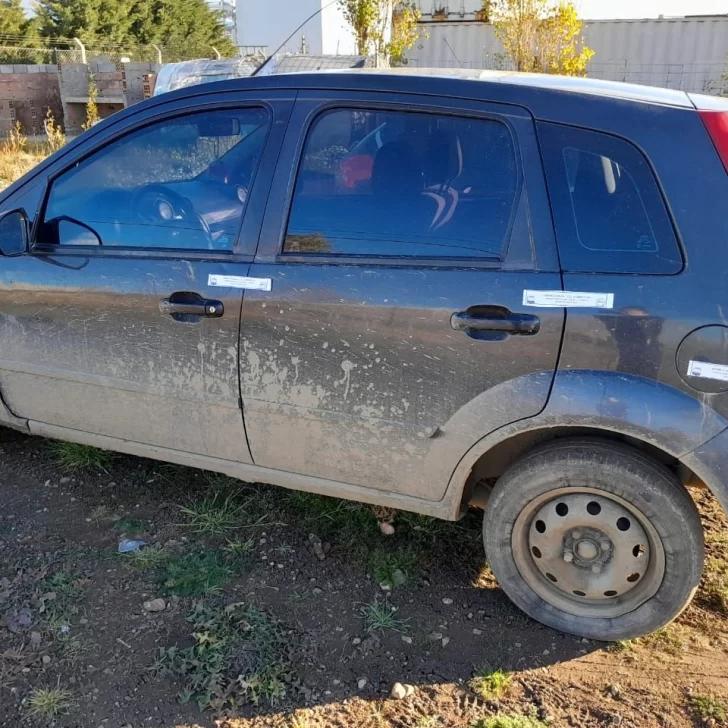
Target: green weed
(381, 615)
(149, 558)
(706, 707)
(194, 574)
(241, 654)
(73, 458)
(72, 649)
(620, 646)
(510, 721)
(58, 595)
(99, 513)
(714, 588)
(391, 569)
(49, 702)
(239, 551)
(129, 525)
(665, 640)
(490, 684)
(215, 515)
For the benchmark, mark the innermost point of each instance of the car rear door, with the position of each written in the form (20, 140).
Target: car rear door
(122, 321)
(401, 237)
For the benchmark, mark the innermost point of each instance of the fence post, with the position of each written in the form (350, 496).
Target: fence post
(82, 48)
(159, 53)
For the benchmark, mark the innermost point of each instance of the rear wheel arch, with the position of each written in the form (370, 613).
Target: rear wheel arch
(473, 480)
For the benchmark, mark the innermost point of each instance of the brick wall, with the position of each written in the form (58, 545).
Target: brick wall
(26, 93)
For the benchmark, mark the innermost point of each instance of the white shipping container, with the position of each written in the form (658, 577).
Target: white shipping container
(683, 53)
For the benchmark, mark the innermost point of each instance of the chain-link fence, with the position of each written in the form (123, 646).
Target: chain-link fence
(117, 54)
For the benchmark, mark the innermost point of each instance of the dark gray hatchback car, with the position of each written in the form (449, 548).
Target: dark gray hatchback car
(413, 290)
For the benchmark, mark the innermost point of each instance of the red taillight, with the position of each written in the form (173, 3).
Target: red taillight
(716, 122)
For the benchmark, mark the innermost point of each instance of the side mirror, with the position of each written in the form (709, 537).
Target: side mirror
(14, 233)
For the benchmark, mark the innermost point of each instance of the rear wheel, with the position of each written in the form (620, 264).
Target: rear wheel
(594, 538)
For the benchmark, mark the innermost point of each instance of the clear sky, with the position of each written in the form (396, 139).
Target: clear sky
(648, 8)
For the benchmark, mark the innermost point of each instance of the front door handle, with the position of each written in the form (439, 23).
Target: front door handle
(183, 305)
(501, 322)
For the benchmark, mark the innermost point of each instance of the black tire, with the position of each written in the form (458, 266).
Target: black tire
(618, 470)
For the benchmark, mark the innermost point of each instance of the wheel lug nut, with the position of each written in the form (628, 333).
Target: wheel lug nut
(597, 568)
(576, 534)
(568, 557)
(605, 545)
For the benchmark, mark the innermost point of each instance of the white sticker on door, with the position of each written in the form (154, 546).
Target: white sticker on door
(706, 370)
(251, 284)
(570, 299)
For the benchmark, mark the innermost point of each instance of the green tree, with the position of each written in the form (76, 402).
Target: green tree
(91, 21)
(16, 29)
(542, 36)
(368, 20)
(13, 21)
(184, 28)
(406, 31)
(371, 19)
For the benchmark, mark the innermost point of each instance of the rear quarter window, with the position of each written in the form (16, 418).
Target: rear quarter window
(608, 210)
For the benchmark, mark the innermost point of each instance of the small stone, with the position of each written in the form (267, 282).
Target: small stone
(615, 691)
(318, 550)
(616, 719)
(317, 590)
(35, 639)
(362, 683)
(409, 690)
(545, 652)
(398, 577)
(398, 691)
(477, 631)
(517, 644)
(336, 682)
(436, 636)
(155, 605)
(46, 659)
(65, 480)
(447, 601)
(17, 620)
(406, 639)
(711, 723)
(387, 529)
(445, 641)
(356, 641)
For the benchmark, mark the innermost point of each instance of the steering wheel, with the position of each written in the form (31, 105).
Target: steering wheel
(158, 205)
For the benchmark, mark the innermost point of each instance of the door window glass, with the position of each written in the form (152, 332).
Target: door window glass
(178, 183)
(404, 184)
(609, 213)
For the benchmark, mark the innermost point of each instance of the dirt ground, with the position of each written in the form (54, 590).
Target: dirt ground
(284, 609)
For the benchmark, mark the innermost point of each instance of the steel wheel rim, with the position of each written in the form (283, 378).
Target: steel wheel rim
(588, 552)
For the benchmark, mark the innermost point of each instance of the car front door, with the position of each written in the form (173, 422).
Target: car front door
(394, 334)
(122, 321)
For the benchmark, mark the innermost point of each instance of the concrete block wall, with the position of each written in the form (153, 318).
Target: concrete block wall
(26, 93)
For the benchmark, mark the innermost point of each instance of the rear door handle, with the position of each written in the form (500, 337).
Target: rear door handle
(517, 324)
(177, 305)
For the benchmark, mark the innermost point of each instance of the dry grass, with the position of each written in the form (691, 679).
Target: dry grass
(14, 164)
(19, 155)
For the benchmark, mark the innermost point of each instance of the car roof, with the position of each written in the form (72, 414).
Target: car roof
(573, 84)
(469, 82)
